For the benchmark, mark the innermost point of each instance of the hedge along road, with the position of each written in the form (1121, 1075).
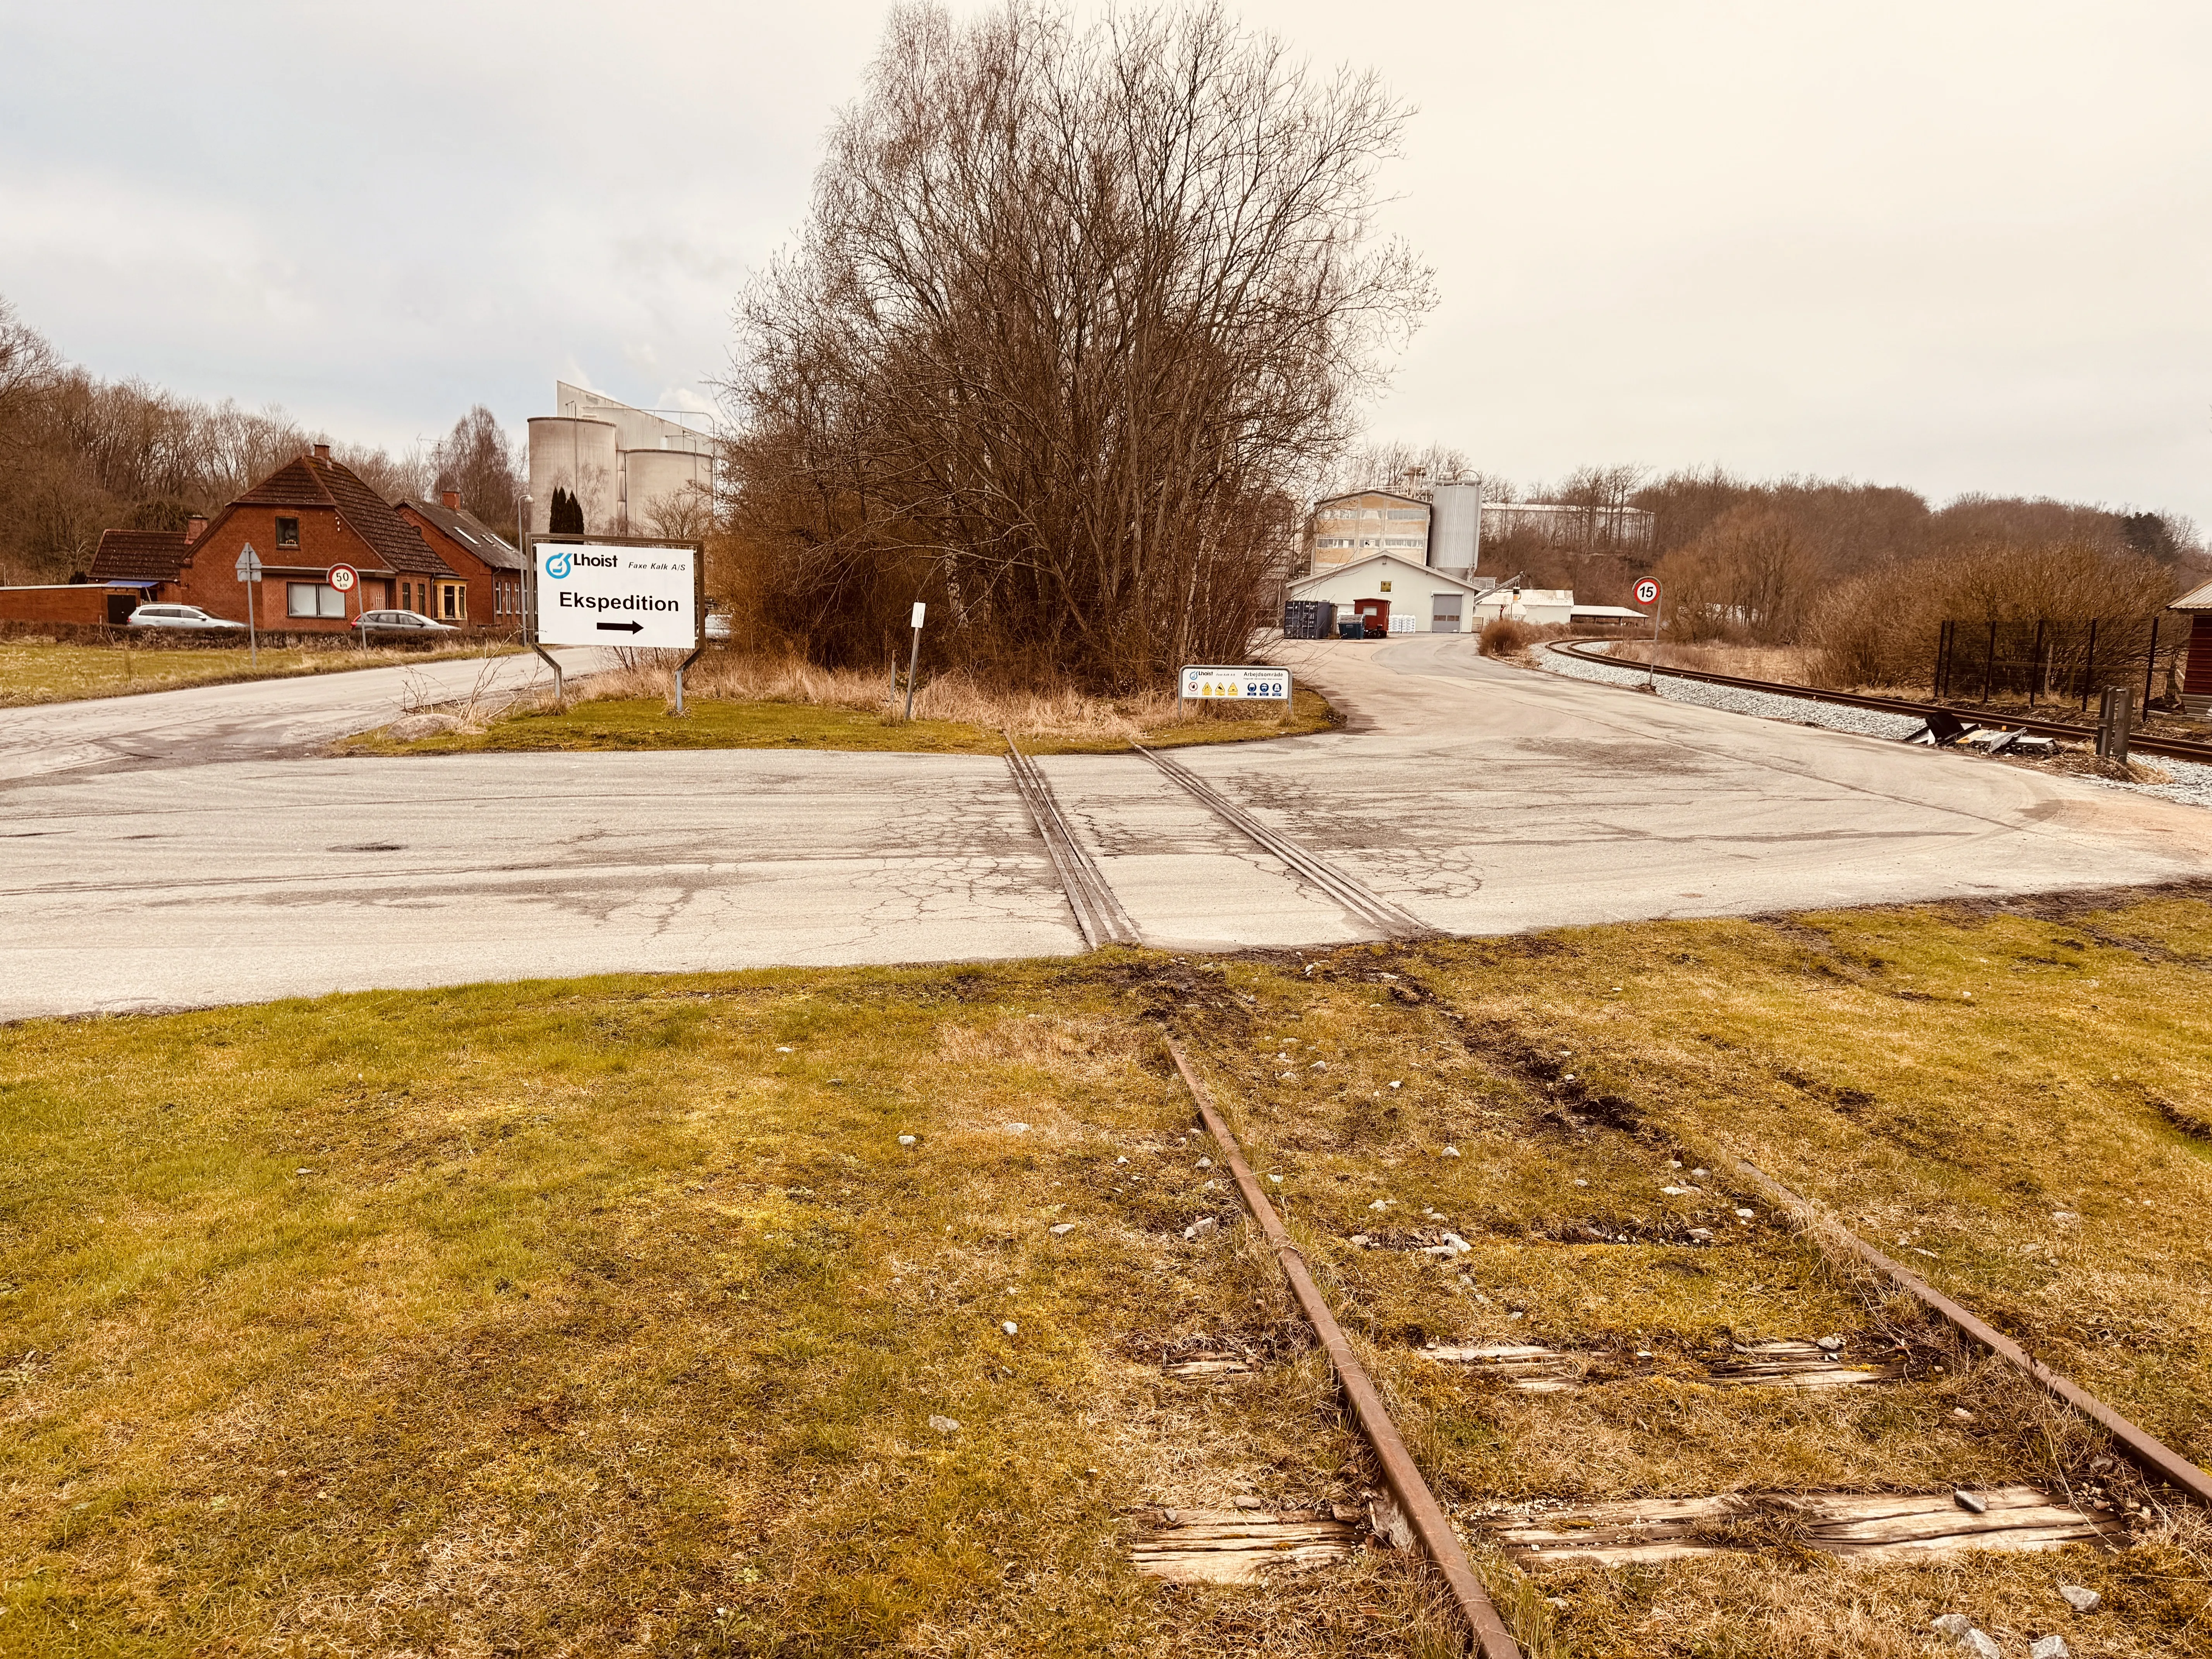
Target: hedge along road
(1475, 797)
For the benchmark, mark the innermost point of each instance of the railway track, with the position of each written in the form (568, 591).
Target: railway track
(1099, 915)
(2171, 747)
(1440, 1516)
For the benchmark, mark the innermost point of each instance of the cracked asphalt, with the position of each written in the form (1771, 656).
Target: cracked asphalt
(193, 847)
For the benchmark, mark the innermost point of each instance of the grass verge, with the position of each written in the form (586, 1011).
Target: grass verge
(641, 723)
(66, 673)
(612, 1314)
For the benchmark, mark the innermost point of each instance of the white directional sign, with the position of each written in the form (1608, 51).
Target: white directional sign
(590, 594)
(1263, 683)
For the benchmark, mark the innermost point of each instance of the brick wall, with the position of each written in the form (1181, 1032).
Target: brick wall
(83, 603)
(210, 578)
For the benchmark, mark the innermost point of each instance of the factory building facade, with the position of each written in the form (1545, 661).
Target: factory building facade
(630, 471)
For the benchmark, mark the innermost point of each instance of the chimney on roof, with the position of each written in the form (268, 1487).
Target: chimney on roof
(322, 452)
(452, 498)
(195, 526)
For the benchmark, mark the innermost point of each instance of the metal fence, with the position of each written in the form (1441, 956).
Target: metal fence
(2060, 663)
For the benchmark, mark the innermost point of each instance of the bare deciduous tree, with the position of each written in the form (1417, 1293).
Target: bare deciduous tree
(478, 459)
(1074, 316)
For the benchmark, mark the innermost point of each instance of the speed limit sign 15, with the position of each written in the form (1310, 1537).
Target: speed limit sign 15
(1647, 592)
(343, 576)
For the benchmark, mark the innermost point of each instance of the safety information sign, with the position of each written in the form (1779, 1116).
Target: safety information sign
(593, 594)
(1261, 682)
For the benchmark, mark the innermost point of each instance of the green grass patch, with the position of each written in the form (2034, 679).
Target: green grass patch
(572, 1318)
(640, 723)
(65, 674)
(647, 723)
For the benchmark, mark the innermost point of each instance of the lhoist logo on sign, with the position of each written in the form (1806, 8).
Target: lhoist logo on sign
(557, 565)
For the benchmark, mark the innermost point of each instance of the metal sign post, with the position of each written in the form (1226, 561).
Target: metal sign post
(913, 660)
(699, 612)
(1647, 593)
(522, 539)
(249, 572)
(346, 580)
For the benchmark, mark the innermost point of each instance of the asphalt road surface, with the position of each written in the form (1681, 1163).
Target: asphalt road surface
(201, 851)
(256, 719)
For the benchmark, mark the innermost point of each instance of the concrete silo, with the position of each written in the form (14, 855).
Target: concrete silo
(577, 454)
(1456, 528)
(667, 491)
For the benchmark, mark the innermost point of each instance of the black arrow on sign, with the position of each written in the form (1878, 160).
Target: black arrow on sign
(622, 628)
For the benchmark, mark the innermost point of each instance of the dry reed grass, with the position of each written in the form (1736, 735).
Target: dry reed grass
(1785, 665)
(739, 677)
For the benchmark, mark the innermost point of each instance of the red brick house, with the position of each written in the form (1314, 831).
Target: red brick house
(2196, 664)
(488, 597)
(304, 517)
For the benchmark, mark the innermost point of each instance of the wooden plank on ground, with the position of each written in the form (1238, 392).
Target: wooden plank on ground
(1792, 1365)
(1236, 1546)
(1858, 1525)
(1195, 1370)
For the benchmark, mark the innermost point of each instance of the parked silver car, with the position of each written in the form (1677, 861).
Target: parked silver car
(179, 616)
(401, 622)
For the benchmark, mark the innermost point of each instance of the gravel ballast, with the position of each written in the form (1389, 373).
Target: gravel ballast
(2191, 785)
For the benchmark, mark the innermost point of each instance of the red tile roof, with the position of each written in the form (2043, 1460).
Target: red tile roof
(314, 481)
(470, 531)
(139, 555)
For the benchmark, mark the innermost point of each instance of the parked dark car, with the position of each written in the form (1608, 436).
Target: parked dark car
(409, 623)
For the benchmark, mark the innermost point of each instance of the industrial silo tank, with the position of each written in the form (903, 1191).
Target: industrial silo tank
(577, 454)
(668, 491)
(1456, 527)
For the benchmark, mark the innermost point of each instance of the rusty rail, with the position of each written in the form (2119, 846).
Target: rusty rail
(1407, 1489)
(2147, 1452)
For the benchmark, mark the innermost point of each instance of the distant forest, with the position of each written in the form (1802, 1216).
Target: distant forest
(1864, 573)
(79, 455)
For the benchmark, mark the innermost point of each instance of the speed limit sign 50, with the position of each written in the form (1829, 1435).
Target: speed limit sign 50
(1647, 592)
(343, 577)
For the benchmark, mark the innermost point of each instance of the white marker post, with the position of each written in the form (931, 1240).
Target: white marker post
(914, 659)
(1647, 593)
(249, 572)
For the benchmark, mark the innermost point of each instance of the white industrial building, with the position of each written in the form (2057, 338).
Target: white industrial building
(632, 470)
(1418, 598)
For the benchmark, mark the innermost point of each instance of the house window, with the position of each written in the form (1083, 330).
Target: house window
(313, 599)
(454, 599)
(288, 532)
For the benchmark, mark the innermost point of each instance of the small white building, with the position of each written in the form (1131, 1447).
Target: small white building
(1415, 598)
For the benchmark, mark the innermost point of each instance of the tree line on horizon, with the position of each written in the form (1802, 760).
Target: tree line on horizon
(1861, 576)
(80, 455)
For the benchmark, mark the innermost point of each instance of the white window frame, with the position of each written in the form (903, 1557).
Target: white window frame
(323, 601)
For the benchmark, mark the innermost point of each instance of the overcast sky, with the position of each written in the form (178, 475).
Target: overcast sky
(1959, 247)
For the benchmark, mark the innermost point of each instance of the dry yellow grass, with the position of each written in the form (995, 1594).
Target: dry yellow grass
(1786, 665)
